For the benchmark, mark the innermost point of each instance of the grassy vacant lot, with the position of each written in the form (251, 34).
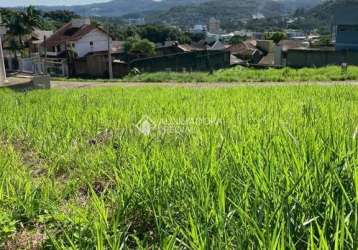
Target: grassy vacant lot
(241, 74)
(245, 168)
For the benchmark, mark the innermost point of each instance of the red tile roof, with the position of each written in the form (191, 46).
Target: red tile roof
(69, 34)
(244, 49)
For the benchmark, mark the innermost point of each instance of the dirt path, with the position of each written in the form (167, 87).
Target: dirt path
(96, 84)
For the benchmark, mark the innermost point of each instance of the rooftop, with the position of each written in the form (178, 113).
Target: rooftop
(70, 32)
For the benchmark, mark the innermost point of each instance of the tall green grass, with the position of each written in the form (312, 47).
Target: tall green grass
(241, 74)
(276, 170)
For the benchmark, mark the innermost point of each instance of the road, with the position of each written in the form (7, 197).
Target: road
(25, 82)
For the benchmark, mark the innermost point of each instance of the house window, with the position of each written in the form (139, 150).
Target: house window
(91, 43)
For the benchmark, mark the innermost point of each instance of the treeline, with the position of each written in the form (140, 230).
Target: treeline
(139, 39)
(20, 23)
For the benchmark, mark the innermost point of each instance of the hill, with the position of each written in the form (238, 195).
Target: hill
(230, 12)
(321, 16)
(123, 7)
(324, 12)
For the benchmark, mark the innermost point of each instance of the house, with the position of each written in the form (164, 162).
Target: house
(244, 33)
(199, 28)
(167, 48)
(291, 33)
(214, 25)
(33, 47)
(246, 51)
(218, 45)
(345, 27)
(273, 53)
(80, 36)
(36, 39)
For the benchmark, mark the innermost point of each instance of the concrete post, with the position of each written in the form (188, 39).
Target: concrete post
(2, 63)
(110, 67)
(2, 66)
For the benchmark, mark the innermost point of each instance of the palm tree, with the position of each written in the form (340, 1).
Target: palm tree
(22, 23)
(32, 19)
(17, 26)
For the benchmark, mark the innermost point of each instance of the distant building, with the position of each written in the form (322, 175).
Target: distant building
(292, 34)
(136, 21)
(258, 16)
(32, 48)
(35, 40)
(246, 51)
(214, 25)
(199, 28)
(218, 45)
(244, 33)
(80, 36)
(345, 27)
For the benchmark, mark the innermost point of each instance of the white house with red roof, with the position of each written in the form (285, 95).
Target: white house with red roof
(80, 36)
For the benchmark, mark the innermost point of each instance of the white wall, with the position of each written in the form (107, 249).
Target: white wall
(99, 39)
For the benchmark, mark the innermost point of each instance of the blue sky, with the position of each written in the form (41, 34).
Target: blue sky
(12, 3)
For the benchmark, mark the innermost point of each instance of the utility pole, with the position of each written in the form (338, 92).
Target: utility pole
(2, 63)
(110, 68)
(45, 55)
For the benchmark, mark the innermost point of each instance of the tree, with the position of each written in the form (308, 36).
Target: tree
(21, 23)
(324, 41)
(237, 39)
(60, 16)
(16, 26)
(140, 47)
(32, 19)
(154, 33)
(276, 37)
(299, 12)
(160, 33)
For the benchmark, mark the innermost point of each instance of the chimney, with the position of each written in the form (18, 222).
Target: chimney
(79, 22)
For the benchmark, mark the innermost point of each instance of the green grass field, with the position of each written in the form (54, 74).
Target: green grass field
(241, 168)
(241, 74)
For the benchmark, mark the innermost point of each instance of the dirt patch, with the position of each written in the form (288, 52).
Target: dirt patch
(142, 224)
(25, 239)
(101, 138)
(28, 156)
